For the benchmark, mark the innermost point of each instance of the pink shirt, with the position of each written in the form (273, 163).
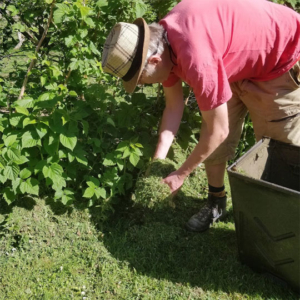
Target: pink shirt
(217, 42)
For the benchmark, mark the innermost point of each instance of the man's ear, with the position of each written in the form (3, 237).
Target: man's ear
(154, 59)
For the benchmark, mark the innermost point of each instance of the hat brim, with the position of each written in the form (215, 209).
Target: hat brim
(132, 83)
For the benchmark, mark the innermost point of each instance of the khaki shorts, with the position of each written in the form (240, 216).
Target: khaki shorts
(274, 108)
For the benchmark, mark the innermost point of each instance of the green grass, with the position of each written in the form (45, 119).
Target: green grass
(48, 251)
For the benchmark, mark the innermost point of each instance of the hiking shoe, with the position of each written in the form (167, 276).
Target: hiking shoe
(212, 211)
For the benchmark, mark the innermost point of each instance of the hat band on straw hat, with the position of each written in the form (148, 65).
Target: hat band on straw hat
(137, 60)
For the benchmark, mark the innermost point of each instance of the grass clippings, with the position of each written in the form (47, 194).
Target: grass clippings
(150, 191)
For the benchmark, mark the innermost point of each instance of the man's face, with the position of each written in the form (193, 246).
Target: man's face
(157, 70)
(154, 74)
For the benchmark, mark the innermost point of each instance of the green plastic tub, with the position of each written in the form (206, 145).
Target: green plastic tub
(265, 188)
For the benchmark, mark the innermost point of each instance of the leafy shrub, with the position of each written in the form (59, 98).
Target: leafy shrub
(67, 129)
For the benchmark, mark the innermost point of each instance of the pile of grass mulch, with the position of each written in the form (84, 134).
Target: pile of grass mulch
(150, 191)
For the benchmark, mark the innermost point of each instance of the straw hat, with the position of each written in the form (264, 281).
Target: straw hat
(125, 51)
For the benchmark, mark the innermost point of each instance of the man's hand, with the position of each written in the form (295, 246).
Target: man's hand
(174, 181)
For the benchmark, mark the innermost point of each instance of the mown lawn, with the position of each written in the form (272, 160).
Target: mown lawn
(48, 251)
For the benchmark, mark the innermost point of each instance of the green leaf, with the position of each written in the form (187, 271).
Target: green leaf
(43, 80)
(102, 3)
(74, 64)
(90, 22)
(126, 153)
(68, 141)
(140, 8)
(84, 11)
(13, 154)
(28, 121)
(111, 122)
(292, 2)
(67, 197)
(73, 94)
(22, 160)
(41, 130)
(19, 27)
(62, 153)
(120, 164)
(54, 172)
(138, 152)
(134, 159)
(26, 102)
(51, 144)
(83, 33)
(8, 141)
(93, 182)
(56, 72)
(80, 157)
(25, 173)
(15, 185)
(12, 171)
(3, 124)
(29, 139)
(15, 119)
(9, 195)
(3, 179)
(22, 110)
(30, 186)
(100, 192)
(39, 166)
(89, 192)
(85, 126)
(62, 10)
(71, 157)
(109, 160)
(14, 11)
(58, 194)
(59, 183)
(31, 56)
(94, 49)
(122, 146)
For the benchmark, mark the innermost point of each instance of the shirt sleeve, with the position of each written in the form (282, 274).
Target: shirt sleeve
(210, 85)
(203, 70)
(172, 79)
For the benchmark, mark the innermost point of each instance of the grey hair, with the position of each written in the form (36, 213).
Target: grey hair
(156, 43)
(156, 39)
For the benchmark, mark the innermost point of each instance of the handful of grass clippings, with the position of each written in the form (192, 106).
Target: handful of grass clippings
(150, 191)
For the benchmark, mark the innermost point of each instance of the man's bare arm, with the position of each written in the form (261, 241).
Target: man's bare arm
(171, 119)
(213, 132)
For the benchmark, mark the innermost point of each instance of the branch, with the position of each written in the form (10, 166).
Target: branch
(36, 51)
(188, 97)
(67, 77)
(10, 55)
(21, 40)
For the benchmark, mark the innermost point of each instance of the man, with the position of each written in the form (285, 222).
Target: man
(238, 56)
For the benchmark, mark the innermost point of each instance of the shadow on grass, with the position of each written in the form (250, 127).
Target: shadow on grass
(57, 207)
(29, 203)
(26, 202)
(157, 245)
